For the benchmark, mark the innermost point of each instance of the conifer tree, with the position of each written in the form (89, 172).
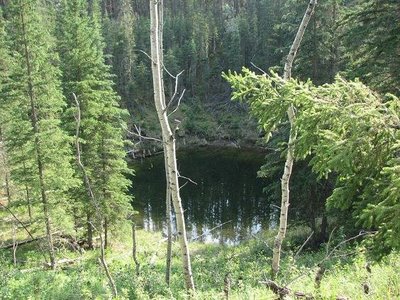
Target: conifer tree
(119, 32)
(38, 149)
(86, 75)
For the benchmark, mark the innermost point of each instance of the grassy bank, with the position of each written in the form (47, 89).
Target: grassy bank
(244, 266)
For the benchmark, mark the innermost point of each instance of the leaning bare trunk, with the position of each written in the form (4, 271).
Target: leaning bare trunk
(168, 136)
(98, 214)
(89, 234)
(134, 248)
(287, 172)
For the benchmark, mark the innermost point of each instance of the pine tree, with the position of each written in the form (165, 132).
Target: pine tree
(119, 34)
(372, 36)
(38, 149)
(86, 75)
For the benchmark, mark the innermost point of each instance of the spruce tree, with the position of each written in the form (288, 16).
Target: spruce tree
(86, 76)
(371, 33)
(38, 149)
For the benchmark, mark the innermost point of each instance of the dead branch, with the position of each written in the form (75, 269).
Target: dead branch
(280, 291)
(175, 91)
(187, 178)
(179, 103)
(216, 227)
(149, 57)
(25, 228)
(321, 268)
(138, 134)
(362, 233)
(302, 246)
(258, 68)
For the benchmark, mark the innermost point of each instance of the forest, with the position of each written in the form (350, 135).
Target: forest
(197, 149)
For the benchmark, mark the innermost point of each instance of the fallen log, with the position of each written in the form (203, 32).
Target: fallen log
(19, 243)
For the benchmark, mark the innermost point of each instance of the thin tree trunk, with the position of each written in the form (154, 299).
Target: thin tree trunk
(38, 154)
(89, 230)
(290, 151)
(134, 248)
(28, 200)
(96, 205)
(15, 244)
(168, 136)
(28, 196)
(169, 236)
(105, 233)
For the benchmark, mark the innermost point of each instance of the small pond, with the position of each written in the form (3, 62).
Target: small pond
(227, 193)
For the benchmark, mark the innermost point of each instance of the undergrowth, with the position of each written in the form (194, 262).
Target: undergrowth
(245, 266)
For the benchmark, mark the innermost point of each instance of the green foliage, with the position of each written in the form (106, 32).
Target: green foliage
(32, 103)
(86, 75)
(347, 130)
(371, 32)
(246, 265)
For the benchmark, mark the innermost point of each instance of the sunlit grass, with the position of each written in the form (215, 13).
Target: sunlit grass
(245, 266)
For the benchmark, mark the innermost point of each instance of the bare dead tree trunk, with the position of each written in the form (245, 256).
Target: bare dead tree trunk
(134, 248)
(287, 172)
(15, 244)
(38, 152)
(96, 205)
(89, 233)
(156, 17)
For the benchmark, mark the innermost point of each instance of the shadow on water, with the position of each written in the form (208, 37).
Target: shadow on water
(228, 192)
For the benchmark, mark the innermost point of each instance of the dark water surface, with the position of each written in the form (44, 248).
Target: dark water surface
(227, 192)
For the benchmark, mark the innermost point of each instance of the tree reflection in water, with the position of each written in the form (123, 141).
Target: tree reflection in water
(227, 192)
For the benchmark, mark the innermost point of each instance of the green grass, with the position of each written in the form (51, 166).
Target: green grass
(246, 264)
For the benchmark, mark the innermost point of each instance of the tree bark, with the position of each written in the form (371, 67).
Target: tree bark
(134, 248)
(28, 196)
(168, 135)
(287, 172)
(105, 233)
(38, 152)
(89, 230)
(169, 236)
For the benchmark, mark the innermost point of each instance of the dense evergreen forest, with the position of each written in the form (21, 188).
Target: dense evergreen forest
(77, 91)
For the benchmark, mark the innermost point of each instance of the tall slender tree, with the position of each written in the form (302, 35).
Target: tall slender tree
(171, 168)
(287, 171)
(371, 32)
(86, 75)
(34, 102)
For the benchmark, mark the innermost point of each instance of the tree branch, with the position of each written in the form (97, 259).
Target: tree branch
(138, 134)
